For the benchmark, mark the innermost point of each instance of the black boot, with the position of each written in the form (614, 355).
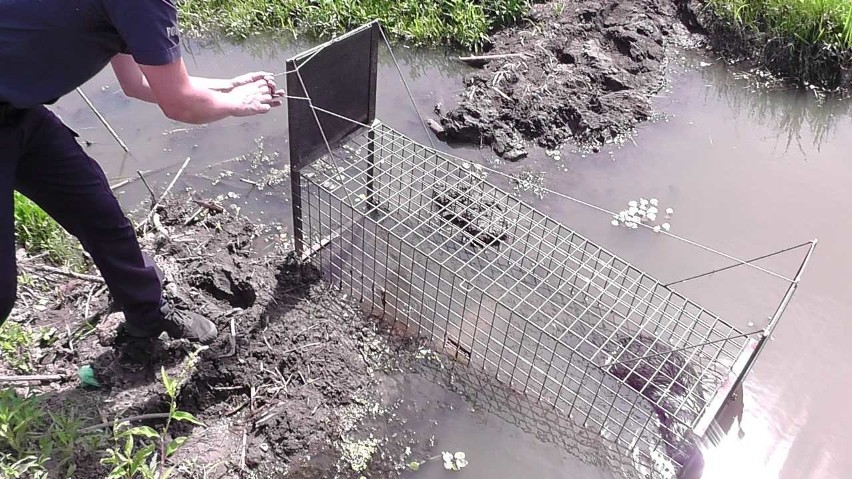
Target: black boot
(183, 324)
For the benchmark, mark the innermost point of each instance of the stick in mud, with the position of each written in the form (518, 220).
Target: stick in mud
(210, 206)
(143, 417)
(103, 120)
(164, 195)
(52, 270)
(486, 58)
(31, 379)
(150, 190)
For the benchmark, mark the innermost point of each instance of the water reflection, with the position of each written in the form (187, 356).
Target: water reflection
(803, 119)
(417, 62)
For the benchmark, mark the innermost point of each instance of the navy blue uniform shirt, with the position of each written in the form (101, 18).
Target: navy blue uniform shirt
(50, 47)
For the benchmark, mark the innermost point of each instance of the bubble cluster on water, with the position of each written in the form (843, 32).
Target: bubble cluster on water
(644, 212)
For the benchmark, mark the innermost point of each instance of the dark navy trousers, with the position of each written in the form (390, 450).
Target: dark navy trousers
(40, 157)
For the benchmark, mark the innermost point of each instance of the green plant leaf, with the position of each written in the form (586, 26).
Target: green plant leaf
(186, 417)
(87, 376)
(141, 455)
(169, 383)
(128, 446)
(414, 466)
(145, 431)
(173, 446)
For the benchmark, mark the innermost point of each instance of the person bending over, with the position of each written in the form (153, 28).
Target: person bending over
(47, 49)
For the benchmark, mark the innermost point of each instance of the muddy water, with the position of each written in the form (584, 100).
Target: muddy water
(158, 146)
(747, 172)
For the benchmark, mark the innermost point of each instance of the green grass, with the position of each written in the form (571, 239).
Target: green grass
(421, 22)
(33, 439)
(813, 22)
(18, 343)
(37, 232)
(37, 443)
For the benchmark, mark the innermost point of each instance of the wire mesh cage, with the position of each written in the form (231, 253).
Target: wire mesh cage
(425, 240)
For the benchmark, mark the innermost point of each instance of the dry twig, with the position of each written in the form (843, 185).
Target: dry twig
(143, 417)
(165, 194)
(193, 216)
(120, 184)
(63, 272)
(31, 379)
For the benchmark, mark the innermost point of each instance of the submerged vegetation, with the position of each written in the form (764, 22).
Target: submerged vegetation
(459, 22)
(807, 40)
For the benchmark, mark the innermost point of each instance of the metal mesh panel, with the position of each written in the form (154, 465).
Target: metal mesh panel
(425, 240)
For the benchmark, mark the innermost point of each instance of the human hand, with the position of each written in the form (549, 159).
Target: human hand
(252, 77)
(258, 96)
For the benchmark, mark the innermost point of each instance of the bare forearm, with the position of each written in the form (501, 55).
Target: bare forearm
(196, 99)
(203, 106)
(144, 93)
(215, 84)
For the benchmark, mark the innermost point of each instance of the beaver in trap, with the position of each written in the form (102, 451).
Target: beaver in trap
(668, 381)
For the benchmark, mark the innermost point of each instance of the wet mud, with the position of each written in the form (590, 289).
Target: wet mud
(295, 383)
(579, 71)
(469, 207)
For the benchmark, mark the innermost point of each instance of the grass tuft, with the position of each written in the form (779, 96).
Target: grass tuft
(37, 232)
(17, 344)
(813, 22)
(421, 22)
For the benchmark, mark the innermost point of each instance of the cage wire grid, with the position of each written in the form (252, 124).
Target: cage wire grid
(424, 240)
(503, 287)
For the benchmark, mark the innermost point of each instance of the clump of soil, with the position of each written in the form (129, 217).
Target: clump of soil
(297, 361)
(469, 207)
(578, 70)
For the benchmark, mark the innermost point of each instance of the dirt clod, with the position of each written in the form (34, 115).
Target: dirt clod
(587, 74)
(470, 207)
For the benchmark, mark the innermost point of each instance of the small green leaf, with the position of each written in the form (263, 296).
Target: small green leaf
(414, 466)
(169, 383)
(140, 456)
(187, 417)
(174, 445)
(128, 446)
(145, 431)
(87, 376)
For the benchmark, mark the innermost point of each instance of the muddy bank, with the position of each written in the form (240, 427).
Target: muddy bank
(789, 58)
(584, 71)
(295, 383)
(581, 71)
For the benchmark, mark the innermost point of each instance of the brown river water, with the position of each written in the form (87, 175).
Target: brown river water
(748, 172)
